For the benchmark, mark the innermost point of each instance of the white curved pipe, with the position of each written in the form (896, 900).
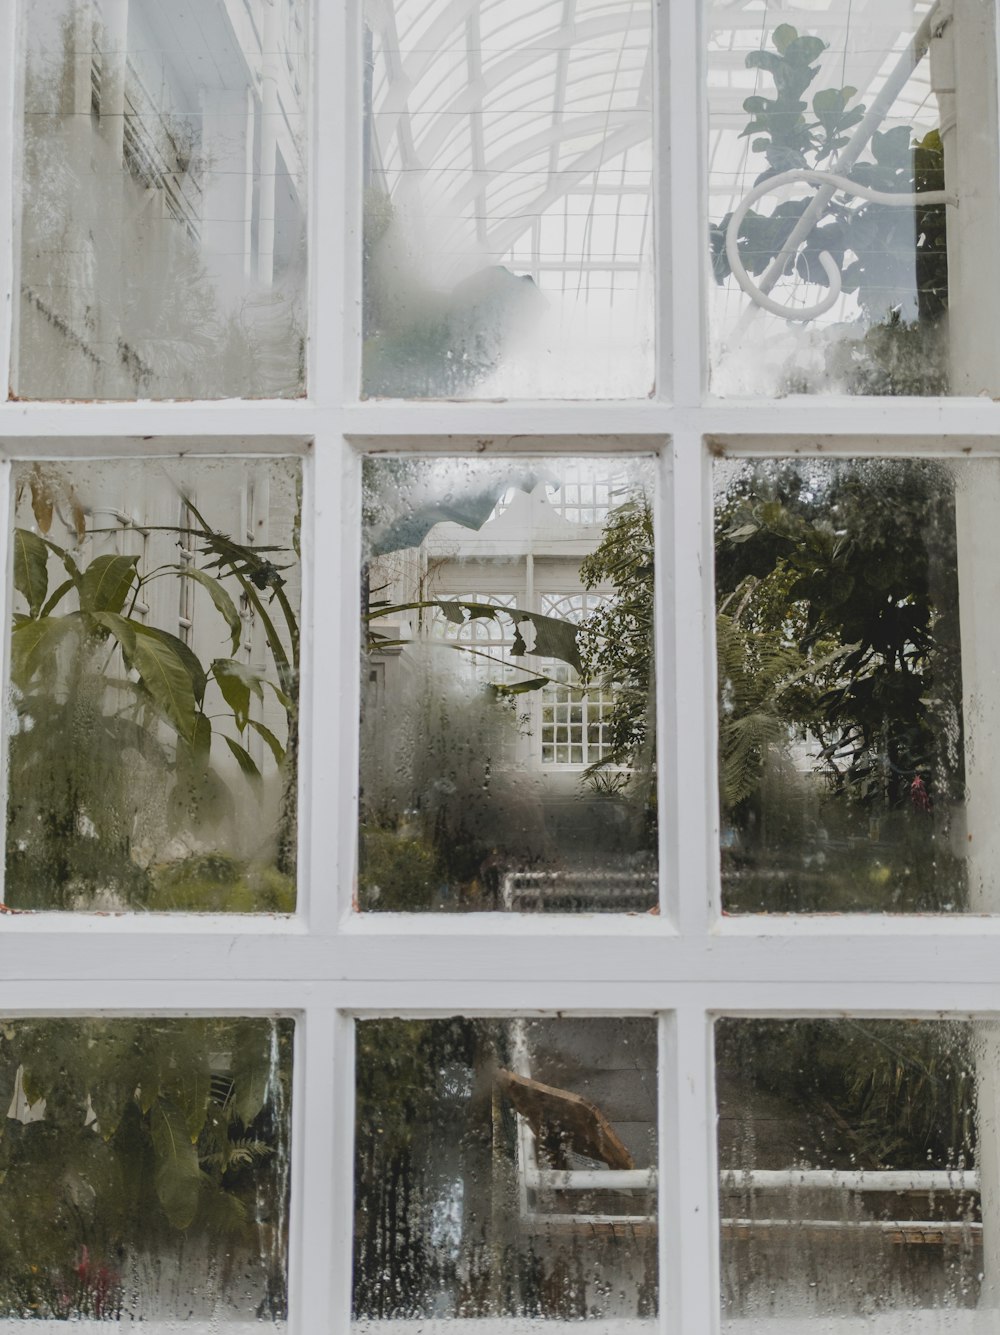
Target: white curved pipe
(823, 179)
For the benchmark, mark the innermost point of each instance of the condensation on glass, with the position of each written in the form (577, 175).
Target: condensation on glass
(506, 1168)
(162, 227)
(145, 1169)
(507, 737)
(850, 1191)
(152, 708)
(820, 287)
(507, 230)
(856, 653)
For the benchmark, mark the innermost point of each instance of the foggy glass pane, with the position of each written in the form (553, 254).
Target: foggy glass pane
(162, 233)
(152, 714)
(817, 288)
(144, 1170)
(854, 668)
(505, 1168)
(495, 605)
(508, 240)
(849, 1191)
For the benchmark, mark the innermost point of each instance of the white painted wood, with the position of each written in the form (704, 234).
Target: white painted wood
(688, 1196)
(326, 964)
(894, 1323)
(680, 201)
(316, 1279)
(692, 699)
(9, 174)
(846, 425)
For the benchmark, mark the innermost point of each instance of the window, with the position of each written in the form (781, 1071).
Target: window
(601, 928)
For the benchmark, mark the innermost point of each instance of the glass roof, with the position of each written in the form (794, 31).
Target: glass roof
(516, 133)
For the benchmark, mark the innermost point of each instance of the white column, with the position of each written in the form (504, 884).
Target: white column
(227, 199)
(270, 112)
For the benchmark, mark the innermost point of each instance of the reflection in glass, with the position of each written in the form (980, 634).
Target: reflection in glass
(162, 235)
(842, 643)
(145, 1169)
(507, 236)
(153, 685)
(820, 288)
(507, 757)
(505, 1168)
(849, 1173)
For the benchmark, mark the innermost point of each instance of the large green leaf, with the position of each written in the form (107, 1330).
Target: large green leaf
(277, 750)
(31, 573)
(57, 595)
(223, 603)
(34, 642)
(192, 1091)
(106, 583)
(253, 1071)
(245, 760)
(164, 672)
(178, 1177)
(554, 638)
(168, 681)
(121, 628)
(237, 682)
(191, 661)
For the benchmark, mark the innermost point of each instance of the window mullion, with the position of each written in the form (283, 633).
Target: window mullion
(688, 1194)
(682, 228)
(686, 690)
(8, 121)
(330, 687)
(322, 1167)
(335, 240)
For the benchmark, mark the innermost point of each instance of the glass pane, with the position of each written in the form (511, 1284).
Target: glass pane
(854, 663)
(508, 166)
(162, 233)
(145, 1169)
(507, 754)
(506, 1168)
(153, 685)
(820, 288)
(849, 1191)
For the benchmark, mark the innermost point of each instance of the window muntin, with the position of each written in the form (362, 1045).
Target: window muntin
(508, 164)
(162, 222)
(152, 731)
(146, 1169)
(482, 788)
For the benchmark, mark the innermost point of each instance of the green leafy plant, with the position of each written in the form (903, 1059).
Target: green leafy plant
(616, 640)
(110, 710)
(139, 1139)
(873, 244)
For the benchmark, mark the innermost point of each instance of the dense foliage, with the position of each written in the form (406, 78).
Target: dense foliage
(136, 1146)
(616, 640)
(115, 721)
(842, 581)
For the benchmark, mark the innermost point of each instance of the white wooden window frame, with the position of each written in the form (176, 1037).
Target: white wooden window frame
(328, 964)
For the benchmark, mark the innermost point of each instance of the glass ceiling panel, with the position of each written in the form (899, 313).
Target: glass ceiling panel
(487, 123)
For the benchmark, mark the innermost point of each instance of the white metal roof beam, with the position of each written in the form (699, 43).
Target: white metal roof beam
(504, 235)
(493, 79)
(473, 43)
